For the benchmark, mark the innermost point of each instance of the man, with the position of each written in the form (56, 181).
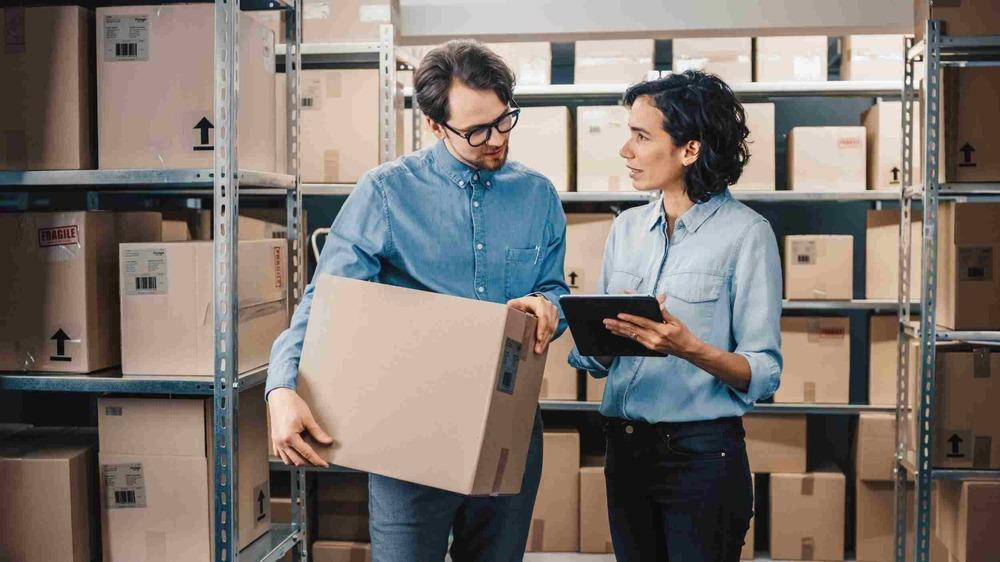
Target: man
(458, 219)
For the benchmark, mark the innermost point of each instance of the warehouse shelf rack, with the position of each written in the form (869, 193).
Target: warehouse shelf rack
(225, 189)
(819, 409)
(937, 51)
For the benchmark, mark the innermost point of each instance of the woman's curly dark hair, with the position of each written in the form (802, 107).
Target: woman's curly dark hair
(701, 107)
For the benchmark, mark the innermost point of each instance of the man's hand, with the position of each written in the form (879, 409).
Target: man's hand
(547, 314)
(669, 337)
(290, 417)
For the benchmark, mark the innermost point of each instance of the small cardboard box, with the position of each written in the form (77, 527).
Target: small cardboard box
(331, 21)
(560, 380)
(342, 507)
(967, 421)
(827, 159)
(819, 267)
(883, 361)
(613, 62)
(541, 141)
(728, 58)
(968, 284)
(967, 517)
(875, 447)
(758, 174)
(883, 124)
(46, 104)
(586, 238)
(872, 57)
(155, 93)
(776, 443)
(555, 523)
(600, 133)
(409, 353)
(874, 506)
(817, 360)
(595, 529)
(791, 59)
(882, 254)
(962, 17)
(595, 388)
(530, 61)
(168, 286)
(807, 516)
(333, 551)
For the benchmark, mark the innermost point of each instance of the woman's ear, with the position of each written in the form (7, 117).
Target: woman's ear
(691, 152)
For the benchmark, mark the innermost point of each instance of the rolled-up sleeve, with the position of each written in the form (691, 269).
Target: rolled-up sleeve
(359, 238)
(756, 302)
(551, 282)
(586, 362)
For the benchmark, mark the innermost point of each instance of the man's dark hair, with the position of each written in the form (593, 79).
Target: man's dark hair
(467, 61)
(700, 107)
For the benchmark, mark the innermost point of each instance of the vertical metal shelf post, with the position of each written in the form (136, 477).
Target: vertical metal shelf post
(389, 94)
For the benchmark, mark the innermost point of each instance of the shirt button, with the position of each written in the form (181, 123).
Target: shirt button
(479, 246)
(475, 204)
(481, 289)
(629, 429)
(489, 184)
(461, 183)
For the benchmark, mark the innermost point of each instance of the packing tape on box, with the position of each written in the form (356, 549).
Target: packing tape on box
(981, 451)
(156, 546)
(501, 469)
(981, 363)
(331, 165)
(537, 539)
(808, 548)
(808, 485)
(809, 393)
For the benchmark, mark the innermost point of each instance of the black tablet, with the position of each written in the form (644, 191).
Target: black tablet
(585, 315)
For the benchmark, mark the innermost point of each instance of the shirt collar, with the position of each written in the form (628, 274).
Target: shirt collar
(693, 218)
(460, 173)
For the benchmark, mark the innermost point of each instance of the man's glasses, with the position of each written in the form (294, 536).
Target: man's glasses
(481, 134)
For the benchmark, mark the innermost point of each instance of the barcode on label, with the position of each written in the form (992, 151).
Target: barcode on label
(112, 411)
(125, 497)
(145, 283)
(307, 102)
(127, 50)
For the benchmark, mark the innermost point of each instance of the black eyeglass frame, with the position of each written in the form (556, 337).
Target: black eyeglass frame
(495, 124)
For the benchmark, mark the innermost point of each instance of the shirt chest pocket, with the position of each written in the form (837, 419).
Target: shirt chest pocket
(693, 298)
(520, 271)
(623, 283)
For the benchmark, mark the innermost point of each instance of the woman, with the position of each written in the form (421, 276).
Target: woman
(678, 480)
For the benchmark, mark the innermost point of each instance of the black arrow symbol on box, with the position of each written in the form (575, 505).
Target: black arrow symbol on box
(260, 505)
(955, 441)
(572, 278)
(204, 125)
(895, 174)
(967, 151)
(60, 338)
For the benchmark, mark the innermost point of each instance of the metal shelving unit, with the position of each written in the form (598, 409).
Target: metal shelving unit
(819, 409)
(937, 51)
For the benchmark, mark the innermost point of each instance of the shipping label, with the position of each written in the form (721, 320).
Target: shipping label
(144, 271)
(508, 366)
(312, 93)
(975, 264)
(126, 38)
(124, 485)
(278, 260)
(804, 252)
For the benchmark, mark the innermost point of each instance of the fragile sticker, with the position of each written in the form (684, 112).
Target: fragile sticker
(144, 271)
(804, 252)
(68, 235)
(124, 485)
(508, 367)
(126, 38)
(278, 262)
(975, 264)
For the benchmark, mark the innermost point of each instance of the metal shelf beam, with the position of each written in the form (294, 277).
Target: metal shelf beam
(148, 179)
(818, 409)
(863, 304)
(112, 381)
(273, 545)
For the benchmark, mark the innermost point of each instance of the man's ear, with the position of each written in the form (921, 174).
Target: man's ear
(691, 152)
(435, 127)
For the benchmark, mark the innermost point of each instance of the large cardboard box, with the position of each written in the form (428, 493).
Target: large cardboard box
(560, 379)
(966, 420)
(968, 283)
(157, 463)
(819, 267)
(600, 133)
(791, 59)
(758, 174)
(348, 98)
(875, 447)
(595, 529)
(182, 225)
(960, 17)
(967, 518)
(541, 141)
(152, 70)
(409, 353)
(970, 151)
(882, 254)
(747, 553)
(728, 58)
(872, 57)
(826, 159)
(46, 104)
(555, 523)
(883, 124)
(807, 516)
(613, 62)
(873, 508)
(47, 497)
(883, 361)
(342, 507)
(586, 236)
(817, 360)
(60, 298)
(334, 551)
(595, 388)
(776, 443)
(530, 61)
(167, 311)
(333, 21)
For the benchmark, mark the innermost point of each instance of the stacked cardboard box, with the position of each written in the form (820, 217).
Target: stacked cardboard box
(969, 151)
(595, 530)
(968, 284)
(883, 124)
(967, 517)
(600, 133)
(776, 443)
(872, 57)
(883, 360)
(329, 21)
(817, 360)
(182, 225)
(342, 507)
(819, 267)
(152, 69)
(339, 551)
(613, 62)
(790, 59)
(875, 497)
(728, 58)
(555, 523)
(541, 141)
(531, 62)
(46, 104)
(758, 175)
(967, 17)
(826, 159)
(967, 422)
(807, 516)
(882, 254)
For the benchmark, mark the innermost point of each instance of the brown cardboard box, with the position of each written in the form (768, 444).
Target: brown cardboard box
(969, 149)
(791, 59)
(156, 465)
(882, 359)
(960, 17)
(747, 553)
(613, 62)
(350, 99)
(883, 124)
(968, 290)
(46, 104)
(967, 517)
(872, 57)
(332, 21)
(882, 254)
(758, 175)
(559, 382)
(826, 159)
(183, 225)
(541, 141)
(776, 443)
(333, 551)
(595, 530)
(807, 516)
(555, 523)
(728, 58)
(966, 421)
(411, 354)
(530, 61)
(819, 267)
(817, 354)
(586, 236)
(60, 302)
(873, 507)
(875, 447)
(595, 388)
(342, 507)
(169, 286)
(281, 510)
(47, 497)
(152, 69)
(600, 133)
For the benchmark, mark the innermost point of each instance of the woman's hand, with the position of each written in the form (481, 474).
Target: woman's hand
(669, 337)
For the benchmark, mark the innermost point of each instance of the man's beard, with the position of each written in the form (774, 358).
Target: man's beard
(493, 162)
